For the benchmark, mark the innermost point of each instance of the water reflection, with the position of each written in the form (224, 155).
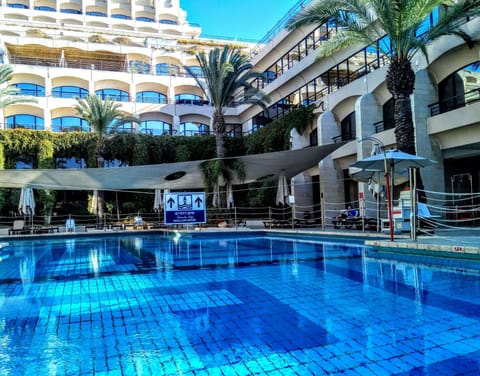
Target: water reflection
(27, 267)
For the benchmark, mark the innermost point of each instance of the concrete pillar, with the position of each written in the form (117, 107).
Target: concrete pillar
(331, 179)
(367, 112)
(425, 93)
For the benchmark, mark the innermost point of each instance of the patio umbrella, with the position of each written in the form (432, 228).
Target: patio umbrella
(26, 205)
(282, 190)
(158, 200)
(230, 201)
(389, 162)
(396, 160)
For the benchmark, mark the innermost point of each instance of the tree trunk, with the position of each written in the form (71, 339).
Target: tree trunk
(101, 196)
(219, 129)
(400, 83)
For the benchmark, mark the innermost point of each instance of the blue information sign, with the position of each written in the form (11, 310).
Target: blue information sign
(184, 208)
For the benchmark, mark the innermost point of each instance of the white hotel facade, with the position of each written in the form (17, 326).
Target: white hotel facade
(135, 51)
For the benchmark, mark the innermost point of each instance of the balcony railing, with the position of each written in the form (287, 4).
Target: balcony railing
(452, 103)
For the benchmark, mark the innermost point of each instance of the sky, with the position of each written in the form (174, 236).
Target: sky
(245, 19)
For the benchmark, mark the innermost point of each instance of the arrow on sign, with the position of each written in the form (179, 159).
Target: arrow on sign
(198, 201)
(171, 201)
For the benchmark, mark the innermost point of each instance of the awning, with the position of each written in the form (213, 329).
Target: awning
(177, 176)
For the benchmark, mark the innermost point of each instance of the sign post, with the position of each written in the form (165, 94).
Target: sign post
(185, 208)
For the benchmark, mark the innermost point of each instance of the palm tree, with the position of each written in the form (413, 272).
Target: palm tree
(363, 22)
(9, 94)
(226, 80)
(104, 117)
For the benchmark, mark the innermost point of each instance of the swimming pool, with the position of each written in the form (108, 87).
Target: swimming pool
(236, 305)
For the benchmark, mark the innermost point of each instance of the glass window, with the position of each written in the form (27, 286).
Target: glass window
(45, 8)
(155, 127)
(25, 121)
(145, 19)
(30, 89)
(189, 99)
(113, 94)
(19, 6)
(193, 129)
(70, 163)
(71, 11)
(69, 92)
(121, 16)
(137, 66)
(348, 127)
(70, 124)
(151, 97)
(96, 14)
(196, 70)
(164, 69)
(168, 22)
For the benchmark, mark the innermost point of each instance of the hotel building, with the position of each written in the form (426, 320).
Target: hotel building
(135, 51)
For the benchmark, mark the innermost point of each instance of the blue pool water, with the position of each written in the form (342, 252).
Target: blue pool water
(243, 305)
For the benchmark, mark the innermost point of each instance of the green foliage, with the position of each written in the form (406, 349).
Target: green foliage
(275, 136)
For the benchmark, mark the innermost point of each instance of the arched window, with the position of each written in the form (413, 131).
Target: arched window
(196, 70)
(151, 97)
(193, 129)
(114, 94)
(189, 99)
(121, 16)
(25, 121)
(168, 22)
(26, 88)
(164, 69)
(155, 127)
(144, 19)
(70, 11)
(137, 66)
(70, 124)
(96, 14)
(45, 8)
(19, 6)
(69, 92)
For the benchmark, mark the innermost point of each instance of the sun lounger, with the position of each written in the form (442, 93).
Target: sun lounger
(18, 227)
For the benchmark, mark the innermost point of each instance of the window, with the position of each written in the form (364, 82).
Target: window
(155, 127)
(188, 99)
(96, 14)
(45, 8)
(145, 19)
(196, 70)
(71, 11)
(113, 94)
(137, 66)
(234, 130)
(19, 6)
(25, 121)
(348, 127)
(30, 89)
(168, 22)
(121, 16)
(151, 97)
(70, 124)
(313, 137)
(164, 69)
(193, 129)
(69, 92)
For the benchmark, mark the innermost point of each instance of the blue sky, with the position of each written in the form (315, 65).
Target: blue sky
(245, 19)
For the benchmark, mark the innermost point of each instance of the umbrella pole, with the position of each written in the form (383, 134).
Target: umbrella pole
(389, 205)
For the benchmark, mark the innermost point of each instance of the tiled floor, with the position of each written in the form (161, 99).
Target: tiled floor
(267, 307)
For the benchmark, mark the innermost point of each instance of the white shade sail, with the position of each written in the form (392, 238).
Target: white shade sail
(180, 176)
